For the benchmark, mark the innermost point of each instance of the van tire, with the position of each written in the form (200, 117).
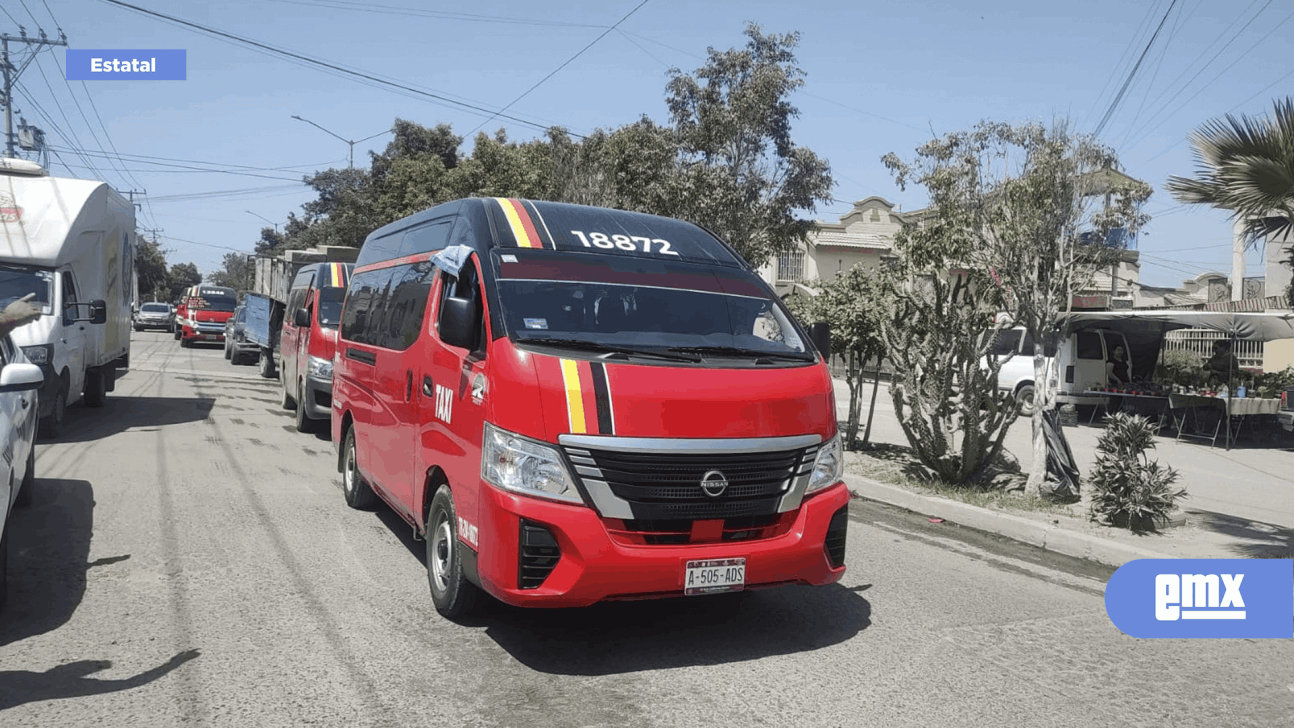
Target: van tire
(359, 495)
(176, 330)
(452, 594)
(287, 403)
(267, 364)
(1024, 396)
(229, 350)
(184, 343)
(27, 490)
(95, 388)
(52, 426)
(303, 421)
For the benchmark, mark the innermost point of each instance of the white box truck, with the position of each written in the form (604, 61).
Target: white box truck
(70, 242)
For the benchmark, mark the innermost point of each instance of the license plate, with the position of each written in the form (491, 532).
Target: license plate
(714, 575)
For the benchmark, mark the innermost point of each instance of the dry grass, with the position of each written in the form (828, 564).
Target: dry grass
(896, 465)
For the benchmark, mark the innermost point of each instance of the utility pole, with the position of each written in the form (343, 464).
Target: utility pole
(11, 75)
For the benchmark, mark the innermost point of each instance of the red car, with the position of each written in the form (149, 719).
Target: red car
(574, 404)
(202, 314)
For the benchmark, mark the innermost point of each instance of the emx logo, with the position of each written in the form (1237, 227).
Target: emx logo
(1203, 598)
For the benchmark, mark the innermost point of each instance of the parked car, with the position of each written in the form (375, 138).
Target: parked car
(155, 315)
(20, 382)
(237, 347)
(1082, 364)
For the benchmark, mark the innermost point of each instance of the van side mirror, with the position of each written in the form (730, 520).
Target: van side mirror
(20, 377)
(301, 317)
(820, 335)
(459, 322)
(94, 312)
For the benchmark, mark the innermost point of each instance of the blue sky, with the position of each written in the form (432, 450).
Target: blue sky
(880, 78)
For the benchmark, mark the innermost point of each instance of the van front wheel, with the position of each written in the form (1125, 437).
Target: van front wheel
(1024, 396)
(452, 594)
(359, 495)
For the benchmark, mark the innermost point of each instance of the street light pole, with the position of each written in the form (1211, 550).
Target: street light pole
(266, 219)
(352, 144)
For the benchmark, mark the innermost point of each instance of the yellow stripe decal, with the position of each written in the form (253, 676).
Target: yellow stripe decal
(336, 275)
(514, 220)
(574, 399)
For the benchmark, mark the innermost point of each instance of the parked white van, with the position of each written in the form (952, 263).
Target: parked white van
(1080, 367)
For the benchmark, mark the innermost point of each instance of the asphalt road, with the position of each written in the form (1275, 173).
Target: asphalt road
(189, 560)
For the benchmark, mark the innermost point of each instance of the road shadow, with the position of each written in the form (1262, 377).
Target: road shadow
(623, 637)
(620, 637)
(118, 414)
(49, 546)
(72, 680)
(1261, 540)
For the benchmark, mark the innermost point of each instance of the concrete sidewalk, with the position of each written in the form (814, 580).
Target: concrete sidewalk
(1240, 503)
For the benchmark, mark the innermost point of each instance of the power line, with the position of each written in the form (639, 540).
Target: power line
(1125, 55)
(1119, 97)
(559, 68)
(439, 14)
(304, 59)
(1146, 128)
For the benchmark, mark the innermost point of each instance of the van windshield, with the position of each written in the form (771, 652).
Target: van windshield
(18, 282)
(688, 311)
(330, 300)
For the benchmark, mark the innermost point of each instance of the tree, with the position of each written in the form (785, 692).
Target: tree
(181, 276)
(1034, 212)
(1245, 165)
(237, 273)
(851, 304)
(150, 265)
(945, 399)
(740, 175)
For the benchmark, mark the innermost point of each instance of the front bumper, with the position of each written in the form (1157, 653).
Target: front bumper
(594, 566)
(202, 333)
(153, 323)
(317, 398)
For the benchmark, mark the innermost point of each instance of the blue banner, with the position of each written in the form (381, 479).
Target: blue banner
(1209, 598)
(126, 65)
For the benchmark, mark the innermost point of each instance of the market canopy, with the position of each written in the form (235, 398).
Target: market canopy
(1234, 325)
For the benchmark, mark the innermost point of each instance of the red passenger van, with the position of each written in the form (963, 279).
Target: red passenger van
(574, 404)
(308, 340)
(202, 314)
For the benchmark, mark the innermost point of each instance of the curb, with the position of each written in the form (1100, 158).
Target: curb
(1043, 535)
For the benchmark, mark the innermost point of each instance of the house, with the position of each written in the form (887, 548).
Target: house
(864, 236)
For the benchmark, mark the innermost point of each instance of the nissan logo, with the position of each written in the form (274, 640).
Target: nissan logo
(713, 484)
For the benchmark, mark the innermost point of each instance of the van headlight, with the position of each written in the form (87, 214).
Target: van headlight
(320, 368)
(828, 467)
(38, 354)
(524, 466)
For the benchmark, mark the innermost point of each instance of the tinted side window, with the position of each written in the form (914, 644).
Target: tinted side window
(426, 238)
(69, 298)
(1089, 345)
(386, 307)
(1008, 342)
(367, 291)
(380, 249)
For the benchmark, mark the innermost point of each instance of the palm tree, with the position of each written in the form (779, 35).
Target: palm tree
(1245, 165)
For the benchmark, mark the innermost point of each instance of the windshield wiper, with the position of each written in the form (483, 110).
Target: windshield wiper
(609, 350)
(739, 351)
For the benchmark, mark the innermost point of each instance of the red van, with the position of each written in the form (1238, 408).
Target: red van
(308, 340)
(202, 314)
(573, 404)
